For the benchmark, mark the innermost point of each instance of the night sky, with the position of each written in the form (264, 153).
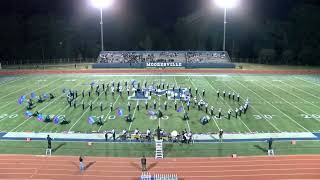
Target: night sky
(156, 12)
(31, 26)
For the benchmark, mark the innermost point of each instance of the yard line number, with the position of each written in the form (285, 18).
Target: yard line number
(311, 116)
(263, 117)
(11, 116)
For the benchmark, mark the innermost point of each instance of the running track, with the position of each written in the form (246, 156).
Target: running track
(227, 168)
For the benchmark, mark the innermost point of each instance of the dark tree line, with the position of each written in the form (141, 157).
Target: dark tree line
(293, 39)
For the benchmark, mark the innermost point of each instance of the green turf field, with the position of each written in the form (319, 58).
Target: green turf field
(279, 103)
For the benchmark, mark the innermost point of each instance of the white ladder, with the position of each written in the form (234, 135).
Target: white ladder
(159, 149)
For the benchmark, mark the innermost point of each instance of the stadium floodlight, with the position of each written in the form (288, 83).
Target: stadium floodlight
(101, 4)
(226, 4)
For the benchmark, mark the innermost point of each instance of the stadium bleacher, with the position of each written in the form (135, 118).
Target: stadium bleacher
(164, 56)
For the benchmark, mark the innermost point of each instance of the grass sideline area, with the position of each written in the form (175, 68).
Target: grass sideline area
(170, 150)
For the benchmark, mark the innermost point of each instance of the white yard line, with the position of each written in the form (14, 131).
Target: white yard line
(35, 90)
(293, 95)
(300, 89)
(104, 120)
(59, 111)
(49, 123)
(273, 106)
(44, 106)
(38, 110)
(274, 126)
(182, 106)
(12, 93)
(6, 105)
(83, 113)
(287, 101)
(230, 107)
(11, 81)
(134, 112)
(307, 81)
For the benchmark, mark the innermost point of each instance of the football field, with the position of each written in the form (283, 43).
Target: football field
(278, 103)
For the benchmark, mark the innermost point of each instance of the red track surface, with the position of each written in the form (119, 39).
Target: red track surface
(243, 168)
(155, 71)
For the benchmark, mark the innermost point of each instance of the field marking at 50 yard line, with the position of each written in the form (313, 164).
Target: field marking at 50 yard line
(78, 84)
(274, 107)
(274, 126)
(40, 109)
(225, 103)
(35, 90)
(286, 100)
(83, 113)
(293, 95)
(104, 120)
(134, 112)
(24, 95)
(174, 77)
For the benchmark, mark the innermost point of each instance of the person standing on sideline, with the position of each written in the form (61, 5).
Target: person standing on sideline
(144, 163)
(82, 168)
(220, 135)
(113, 134)
(270, 149)
(49, 139)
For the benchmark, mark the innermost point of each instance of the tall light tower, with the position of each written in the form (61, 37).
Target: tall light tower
(226, 4)
(101, 4)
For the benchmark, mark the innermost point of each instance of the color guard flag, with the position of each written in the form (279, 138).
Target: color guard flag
(56, 120)
(91, 120)
(28, 114)
(40, 117)
(151, 113)
(21, 99)
(180, 109)
(33, 95)
(45, 95)
(119, 112)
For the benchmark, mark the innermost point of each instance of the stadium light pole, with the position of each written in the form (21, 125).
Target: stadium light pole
(226, 4)
(101, 4)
